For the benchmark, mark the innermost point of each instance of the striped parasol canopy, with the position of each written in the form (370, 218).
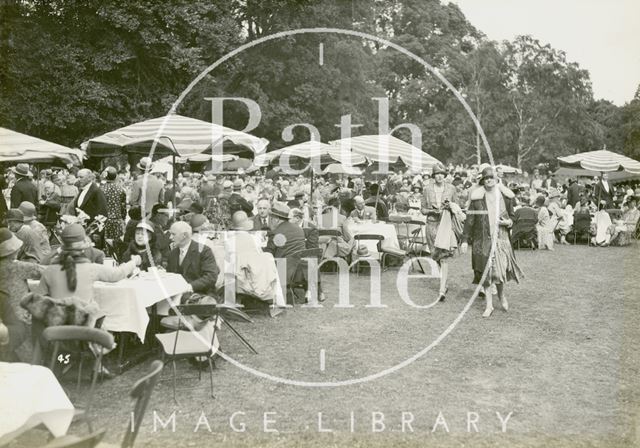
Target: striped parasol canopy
(338, 168)
(319, 151)
(176, 134)
(17, 147)
(603, 161)
(388, 149)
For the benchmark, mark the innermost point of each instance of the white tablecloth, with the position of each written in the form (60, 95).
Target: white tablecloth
(125, 303)
(388, 231)
(30, 395)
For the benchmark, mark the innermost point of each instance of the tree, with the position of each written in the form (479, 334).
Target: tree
(631, 126)
(547, 94)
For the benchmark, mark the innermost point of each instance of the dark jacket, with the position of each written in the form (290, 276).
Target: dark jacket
(24, 190)
(147, 261)
(199, 267)
(237, 203)
(258, 225)
(573, 194)
(93, 204)
(49, 210)
(600, 194)
(294, 240)
(477, 230)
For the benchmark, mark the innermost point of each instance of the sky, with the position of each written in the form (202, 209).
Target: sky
(602, 36)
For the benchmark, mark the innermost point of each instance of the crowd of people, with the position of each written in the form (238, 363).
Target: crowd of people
(61, 228)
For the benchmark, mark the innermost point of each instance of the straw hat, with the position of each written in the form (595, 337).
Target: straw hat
(15, 215)
(9, 243)
(146, 226)
(280, 210)
(28, 211)
(145, 164)
(21, 169)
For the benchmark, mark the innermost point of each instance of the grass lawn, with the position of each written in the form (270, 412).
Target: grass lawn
(563, 362)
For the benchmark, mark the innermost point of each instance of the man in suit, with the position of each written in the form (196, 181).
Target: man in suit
(261, 220)
(296, 217)
(362, 211)
(24, 189)
(286, 238)
(153, 187)
(573, 193)
(194, 261)
(603, 191)
(90, 198)
(237, 202)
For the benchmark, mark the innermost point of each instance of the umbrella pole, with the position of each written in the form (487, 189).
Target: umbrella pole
(173, 180)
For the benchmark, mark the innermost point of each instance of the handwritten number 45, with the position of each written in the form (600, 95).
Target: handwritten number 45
(64, 359)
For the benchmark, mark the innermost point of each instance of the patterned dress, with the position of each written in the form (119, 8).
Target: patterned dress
(116, 210)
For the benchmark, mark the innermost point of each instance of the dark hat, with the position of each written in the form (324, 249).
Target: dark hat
(135, 213)
(486, 172)
(9, 243)
(280, 210)
(74, 237)
(111, 173)
(15, 215)
(438, 169)
(21, 169)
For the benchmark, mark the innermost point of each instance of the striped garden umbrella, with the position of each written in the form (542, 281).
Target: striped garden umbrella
(174, 134)
(322, 152)
(17, 147)
(603, 161)
(387, 149)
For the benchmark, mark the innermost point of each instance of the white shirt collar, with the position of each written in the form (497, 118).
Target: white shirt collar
(86, 187)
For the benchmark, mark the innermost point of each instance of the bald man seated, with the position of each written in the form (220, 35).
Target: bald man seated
(193, 260)
(362, 212)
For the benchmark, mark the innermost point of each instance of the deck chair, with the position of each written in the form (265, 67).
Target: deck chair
(327, 237)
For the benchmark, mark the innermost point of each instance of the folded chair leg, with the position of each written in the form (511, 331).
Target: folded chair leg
(211, 375)
(173, 362)
(239, 336)
(79, 373)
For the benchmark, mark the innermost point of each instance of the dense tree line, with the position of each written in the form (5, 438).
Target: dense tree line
(73, 69)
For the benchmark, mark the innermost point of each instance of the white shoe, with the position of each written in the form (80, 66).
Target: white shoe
(487, 312)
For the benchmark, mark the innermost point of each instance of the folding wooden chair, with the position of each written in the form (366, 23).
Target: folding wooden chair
(76, 340)
(359, 239)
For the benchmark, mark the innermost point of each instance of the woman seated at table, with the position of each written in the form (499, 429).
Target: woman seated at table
(603, 226)
(71, 273)
(144, 245)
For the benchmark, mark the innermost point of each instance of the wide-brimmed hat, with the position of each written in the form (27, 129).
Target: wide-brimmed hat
(554, 193)
(21, 169)
(439, 169)
(280, 210)
(146, 226)
(145, 164)
(15, 215)
(9, 243)
(227, 184)
(74, 237)
(185, 204)
(238, 184)
(486, 173)
(28, 211)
